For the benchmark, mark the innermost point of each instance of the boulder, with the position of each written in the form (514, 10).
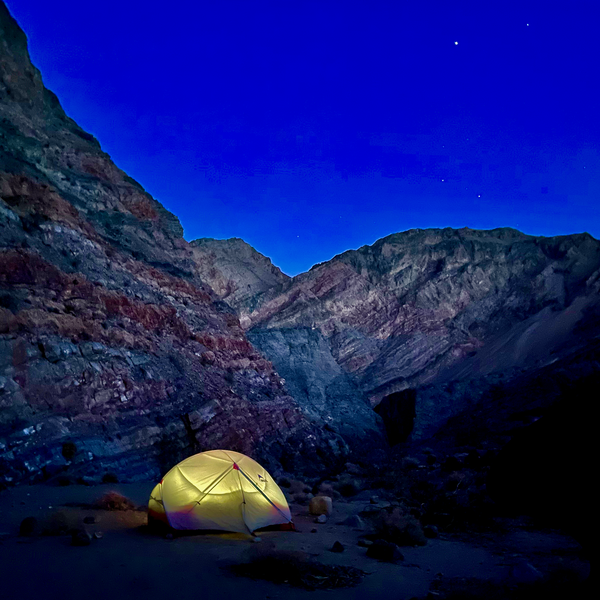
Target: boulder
(353, 521)
(114, 501)
(320, 505)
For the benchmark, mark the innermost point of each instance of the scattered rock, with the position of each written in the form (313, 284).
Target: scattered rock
(364, 543)
(322, 519)
(298, 487)
(314, 530)
(256, 540)
(400, 527)
(29, 526)
(374, 499)
(337, 547)
(386, 551)
(320, 505)
(98, 535)
(353, 521)
(301, 498)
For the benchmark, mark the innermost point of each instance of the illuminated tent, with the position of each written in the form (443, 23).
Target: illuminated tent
(218, 489)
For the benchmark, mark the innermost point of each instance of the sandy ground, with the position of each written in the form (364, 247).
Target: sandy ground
(128, 562)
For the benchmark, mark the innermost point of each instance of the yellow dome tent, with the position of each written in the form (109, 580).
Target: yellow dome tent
(219, 489)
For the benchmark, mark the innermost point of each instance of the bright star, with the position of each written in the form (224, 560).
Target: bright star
(456, 43)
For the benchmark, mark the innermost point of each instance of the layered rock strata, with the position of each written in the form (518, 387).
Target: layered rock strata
(428, 308)
(114, 354)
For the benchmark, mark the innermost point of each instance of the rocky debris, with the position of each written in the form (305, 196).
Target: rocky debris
(337, 547)
(385, 551)
(322, 519)
(89, 519)
(347, 487)
(396, 524)
(353, 521)
(320, 505)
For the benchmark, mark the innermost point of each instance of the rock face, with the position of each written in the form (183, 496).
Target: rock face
(115, 356)
(430, 308)
(235, 271)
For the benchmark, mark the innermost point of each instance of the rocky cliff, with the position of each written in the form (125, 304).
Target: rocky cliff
(429, 309)
(114, 354)
(123, 348)
(235, 271)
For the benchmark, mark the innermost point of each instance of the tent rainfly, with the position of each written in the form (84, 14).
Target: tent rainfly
(219, 489)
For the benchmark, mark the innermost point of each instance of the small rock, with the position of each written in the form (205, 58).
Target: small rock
(89, 519)
(430, 531)
(320, 505)
(4, 535)
(386, 551)
(314, 530)
(169, 536)
(322, 519)
(374, 499)
(354, 521)
(256, 540)
(81, 537)
(337, 547)
(364, 543)
(98, 535)
(114, 501)
(29, 526)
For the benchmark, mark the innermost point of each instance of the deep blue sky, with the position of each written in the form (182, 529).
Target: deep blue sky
(308, 128)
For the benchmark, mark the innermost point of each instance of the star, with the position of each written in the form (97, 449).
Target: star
(456, 43)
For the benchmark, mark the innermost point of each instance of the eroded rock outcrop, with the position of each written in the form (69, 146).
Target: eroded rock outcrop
(114, 354)
(235, 271)
(425, 308)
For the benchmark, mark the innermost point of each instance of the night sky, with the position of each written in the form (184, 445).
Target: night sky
(308, 128)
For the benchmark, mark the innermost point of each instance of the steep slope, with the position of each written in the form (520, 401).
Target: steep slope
(114, 355)
(430, 307)
(235, 271)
